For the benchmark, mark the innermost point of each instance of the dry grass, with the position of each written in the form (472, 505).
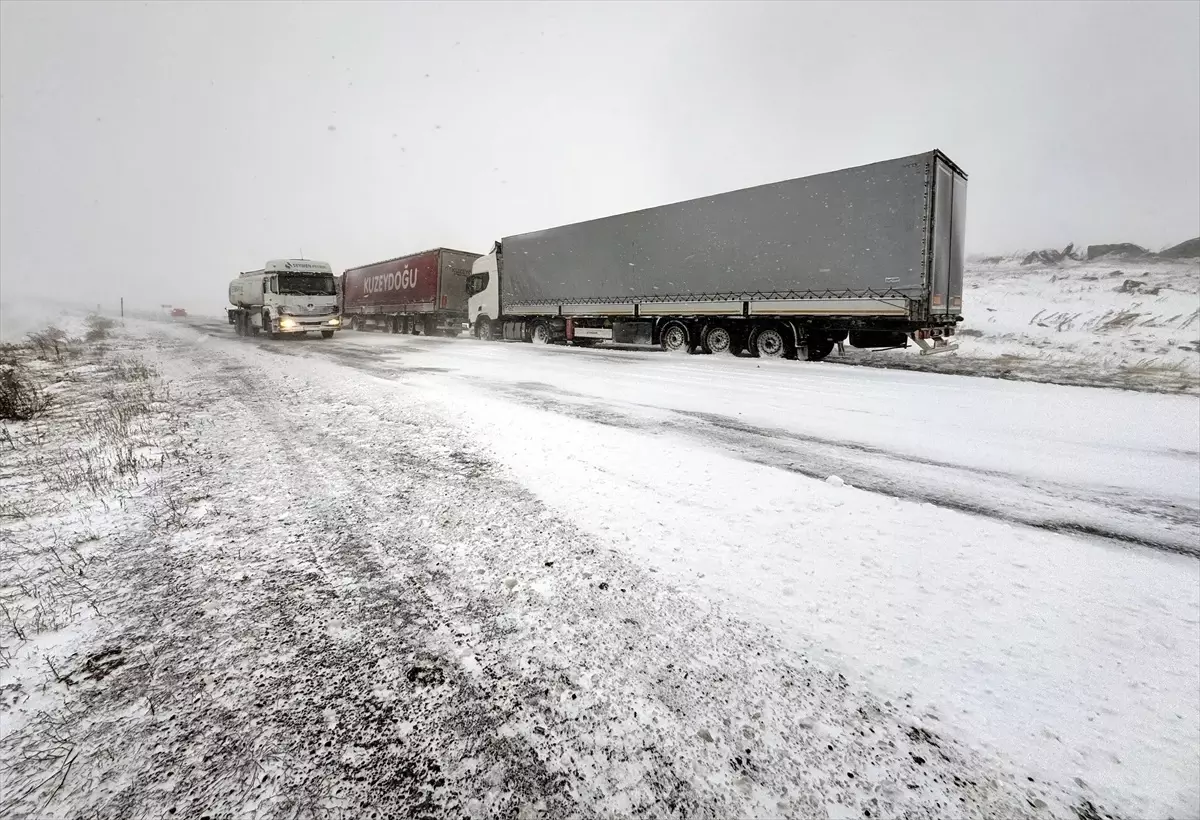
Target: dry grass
(21, 397)
(66, 478)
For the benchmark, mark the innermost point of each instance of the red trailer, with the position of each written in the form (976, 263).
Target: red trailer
(422, 293)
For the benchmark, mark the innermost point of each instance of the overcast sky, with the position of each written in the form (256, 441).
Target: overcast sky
(155, 149)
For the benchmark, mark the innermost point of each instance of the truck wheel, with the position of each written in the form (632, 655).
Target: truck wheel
(483, 330)
(675, 338)
(326, 334)
(818, 349)
(717, 339)
(540, 335)
(770, 343)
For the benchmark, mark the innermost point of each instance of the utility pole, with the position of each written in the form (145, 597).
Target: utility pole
(122, 307)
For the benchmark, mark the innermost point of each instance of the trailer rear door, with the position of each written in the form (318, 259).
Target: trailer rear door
(949, 232)
(454, 268)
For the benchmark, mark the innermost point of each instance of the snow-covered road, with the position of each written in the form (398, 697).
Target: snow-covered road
(424, 575)
(1019, 559)
(1116, 464)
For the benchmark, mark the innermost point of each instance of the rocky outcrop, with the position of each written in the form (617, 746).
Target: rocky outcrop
(1134, 286)
(1050, 256)
(1125, 249)
(1188, 249)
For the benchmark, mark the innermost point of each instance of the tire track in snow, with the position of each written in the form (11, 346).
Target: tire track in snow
(987, 493)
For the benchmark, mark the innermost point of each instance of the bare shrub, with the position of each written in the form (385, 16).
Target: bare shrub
(98, 327)
(10, 354)
(51, 340)
(20, 397)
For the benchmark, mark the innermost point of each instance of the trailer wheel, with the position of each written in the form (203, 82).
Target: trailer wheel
(675, 338)
(818, 349)
(771, 343)
(737, 340)
(717, 339)
(540, 334)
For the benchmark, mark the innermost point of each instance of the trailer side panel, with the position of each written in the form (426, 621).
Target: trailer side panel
(856, 232)
(409, 283)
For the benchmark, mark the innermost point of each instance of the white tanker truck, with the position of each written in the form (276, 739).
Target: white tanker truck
(285, 296)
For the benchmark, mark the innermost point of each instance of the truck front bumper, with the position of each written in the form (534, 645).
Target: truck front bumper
(308, 324)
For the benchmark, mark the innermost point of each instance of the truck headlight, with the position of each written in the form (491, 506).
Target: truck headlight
(335, 321)
(286, 322)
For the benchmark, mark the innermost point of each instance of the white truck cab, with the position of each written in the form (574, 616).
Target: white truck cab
(285, 296)
(483, 294)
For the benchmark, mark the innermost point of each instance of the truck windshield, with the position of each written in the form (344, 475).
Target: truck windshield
(308, 284)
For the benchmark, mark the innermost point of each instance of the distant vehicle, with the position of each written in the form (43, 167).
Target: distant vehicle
(286, 296)
(790, 270)
(419, 293)
(178, 313)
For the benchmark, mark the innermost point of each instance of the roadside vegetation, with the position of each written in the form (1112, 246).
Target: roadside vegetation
(84, 428)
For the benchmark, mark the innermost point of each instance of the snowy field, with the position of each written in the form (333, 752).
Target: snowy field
(423, 577)
(1111, 322)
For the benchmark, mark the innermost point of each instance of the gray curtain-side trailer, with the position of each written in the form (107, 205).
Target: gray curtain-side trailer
(873, 253)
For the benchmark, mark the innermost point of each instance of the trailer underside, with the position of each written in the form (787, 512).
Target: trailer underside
(427, 322)
(778, 335)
